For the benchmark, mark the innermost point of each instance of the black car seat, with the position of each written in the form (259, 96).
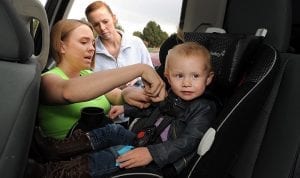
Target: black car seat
(20, 79)
(242, 53)
(222, 144)
(277, 141)
(166, 45)
(272, 148)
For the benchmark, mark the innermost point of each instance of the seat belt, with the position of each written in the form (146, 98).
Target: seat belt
(150, 133)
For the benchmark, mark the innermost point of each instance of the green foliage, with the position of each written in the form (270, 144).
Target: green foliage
(35, 24)
(119, 27)
(138, 34)
(152, 35)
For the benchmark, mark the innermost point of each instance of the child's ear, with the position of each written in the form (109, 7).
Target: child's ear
(166, 74)
(210, 78)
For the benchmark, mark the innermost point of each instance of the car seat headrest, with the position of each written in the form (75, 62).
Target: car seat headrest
(230, 55)
(15, 40)
(276, 15)
(168, 44)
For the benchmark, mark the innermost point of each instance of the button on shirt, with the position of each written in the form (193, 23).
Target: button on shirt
(132, 51)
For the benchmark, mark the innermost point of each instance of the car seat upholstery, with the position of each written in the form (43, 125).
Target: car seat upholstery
(20, 78)
(278, 155)
(272, 147)
(231, 54)
(274, 15)
(166, 45)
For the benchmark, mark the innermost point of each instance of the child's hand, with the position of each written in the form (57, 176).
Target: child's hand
(134, 158)
(115, 111)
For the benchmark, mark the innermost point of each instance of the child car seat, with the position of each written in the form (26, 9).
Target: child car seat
(243, 72)
(222, 143)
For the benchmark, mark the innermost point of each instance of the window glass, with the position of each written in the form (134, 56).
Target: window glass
(134, 15)
(43, 2)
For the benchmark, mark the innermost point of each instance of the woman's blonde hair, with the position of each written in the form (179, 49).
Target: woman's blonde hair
(59, 32)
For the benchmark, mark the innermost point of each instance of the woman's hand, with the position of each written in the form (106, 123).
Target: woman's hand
(154, 85)
(136, 97)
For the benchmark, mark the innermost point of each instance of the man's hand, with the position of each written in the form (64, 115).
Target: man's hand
(135, 158)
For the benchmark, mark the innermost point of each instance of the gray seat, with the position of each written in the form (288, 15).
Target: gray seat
(20, 79)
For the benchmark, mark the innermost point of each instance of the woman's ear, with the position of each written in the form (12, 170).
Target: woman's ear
(62, 47)
(210, 78)
(115, 20)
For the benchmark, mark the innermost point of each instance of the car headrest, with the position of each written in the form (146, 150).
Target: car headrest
(248, 15)
(15, 40)
(231, 53)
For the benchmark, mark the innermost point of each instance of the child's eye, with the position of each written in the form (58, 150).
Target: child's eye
(196, 75)
(179, 75)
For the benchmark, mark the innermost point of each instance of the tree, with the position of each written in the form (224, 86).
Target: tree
(153, 34)
(138, 34)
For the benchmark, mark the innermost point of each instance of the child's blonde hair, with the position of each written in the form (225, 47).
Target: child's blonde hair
(188, 49)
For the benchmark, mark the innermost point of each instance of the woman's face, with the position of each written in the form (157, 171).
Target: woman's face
(78, 48)
(103, 22)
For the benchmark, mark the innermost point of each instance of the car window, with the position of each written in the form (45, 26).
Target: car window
(134, 16)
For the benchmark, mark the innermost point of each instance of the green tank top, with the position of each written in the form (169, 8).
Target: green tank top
(57, 120)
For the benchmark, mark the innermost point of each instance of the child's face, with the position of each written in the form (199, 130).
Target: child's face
(188, 77)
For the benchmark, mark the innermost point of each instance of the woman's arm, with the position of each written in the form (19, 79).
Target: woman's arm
(55, 90)
(115, 96)
(134, 96)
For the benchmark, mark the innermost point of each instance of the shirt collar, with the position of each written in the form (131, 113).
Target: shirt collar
(125, 43)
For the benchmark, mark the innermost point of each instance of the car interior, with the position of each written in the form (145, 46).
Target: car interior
(255, 47)
(20, 80)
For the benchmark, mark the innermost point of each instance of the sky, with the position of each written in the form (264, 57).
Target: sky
(133, 15)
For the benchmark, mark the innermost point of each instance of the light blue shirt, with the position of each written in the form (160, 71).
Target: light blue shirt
(132, 51)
